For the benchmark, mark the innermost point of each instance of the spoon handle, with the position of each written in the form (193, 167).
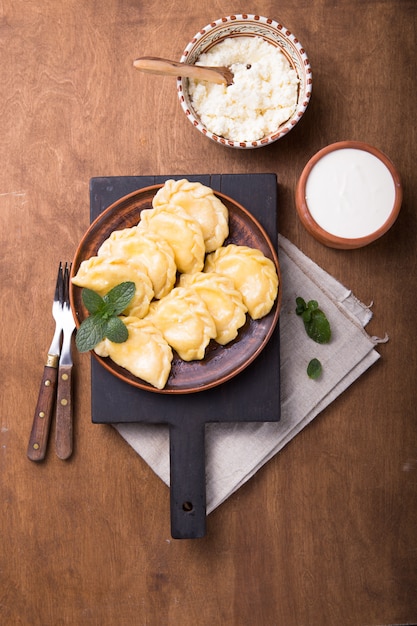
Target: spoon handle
(155, 65)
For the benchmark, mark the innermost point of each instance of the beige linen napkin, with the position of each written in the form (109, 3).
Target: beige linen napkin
(234, 452)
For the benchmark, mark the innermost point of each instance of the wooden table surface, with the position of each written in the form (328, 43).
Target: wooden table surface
(326, 532)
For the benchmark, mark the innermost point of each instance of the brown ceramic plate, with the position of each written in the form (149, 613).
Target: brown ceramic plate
(221, 363)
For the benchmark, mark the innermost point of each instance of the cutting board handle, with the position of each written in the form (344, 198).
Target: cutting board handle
(188, 480)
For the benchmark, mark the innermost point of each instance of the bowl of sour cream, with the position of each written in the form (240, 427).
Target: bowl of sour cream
(348, 195)
(271, 87)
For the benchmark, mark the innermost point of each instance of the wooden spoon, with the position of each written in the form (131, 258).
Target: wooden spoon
(155, 65)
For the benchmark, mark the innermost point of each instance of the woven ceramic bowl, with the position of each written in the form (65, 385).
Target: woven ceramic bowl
(248, 26)
(349, 194)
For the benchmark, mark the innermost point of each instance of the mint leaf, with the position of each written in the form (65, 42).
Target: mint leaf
(314, 369)
(92, 301)
(301, 306)
(116, 331)
(90, 333)
(103, 321)
(316, 323)
(306, 315)
(318, 328)
(120, 296)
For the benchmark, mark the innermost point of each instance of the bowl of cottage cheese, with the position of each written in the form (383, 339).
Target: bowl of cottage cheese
(272, 81)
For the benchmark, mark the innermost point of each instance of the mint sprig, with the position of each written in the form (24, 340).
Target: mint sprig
(103, 320)
(315, 322)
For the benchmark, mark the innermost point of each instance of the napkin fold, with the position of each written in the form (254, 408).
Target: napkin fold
(235, 452)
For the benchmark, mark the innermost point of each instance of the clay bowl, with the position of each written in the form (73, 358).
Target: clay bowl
(361, 189)
(248, 26)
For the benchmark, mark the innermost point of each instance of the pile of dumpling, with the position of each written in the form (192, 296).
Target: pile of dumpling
(190, 288)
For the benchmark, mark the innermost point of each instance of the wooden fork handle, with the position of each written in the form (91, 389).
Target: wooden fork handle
(64, 413)
(38, 439)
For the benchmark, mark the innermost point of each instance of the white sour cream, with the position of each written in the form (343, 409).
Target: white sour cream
(350, 193)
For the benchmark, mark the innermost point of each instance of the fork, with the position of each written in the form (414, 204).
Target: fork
(38, 439)
(64, 406)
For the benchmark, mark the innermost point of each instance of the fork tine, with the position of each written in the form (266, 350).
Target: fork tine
(58, 284)
(66, 276)
(61, 285)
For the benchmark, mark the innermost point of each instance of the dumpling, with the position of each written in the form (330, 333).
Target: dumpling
(101, 274)
(253, 274)
(181, 232)
(145, 353)
(146, 247)
(202, 204)
(183, 319)
(223, 301)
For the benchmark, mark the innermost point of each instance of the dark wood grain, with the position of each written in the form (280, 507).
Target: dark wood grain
(325, 533)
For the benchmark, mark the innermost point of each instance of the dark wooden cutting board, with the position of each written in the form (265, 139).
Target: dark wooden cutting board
(252, 396)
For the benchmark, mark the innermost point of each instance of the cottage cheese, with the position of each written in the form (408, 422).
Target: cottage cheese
(263, 94)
